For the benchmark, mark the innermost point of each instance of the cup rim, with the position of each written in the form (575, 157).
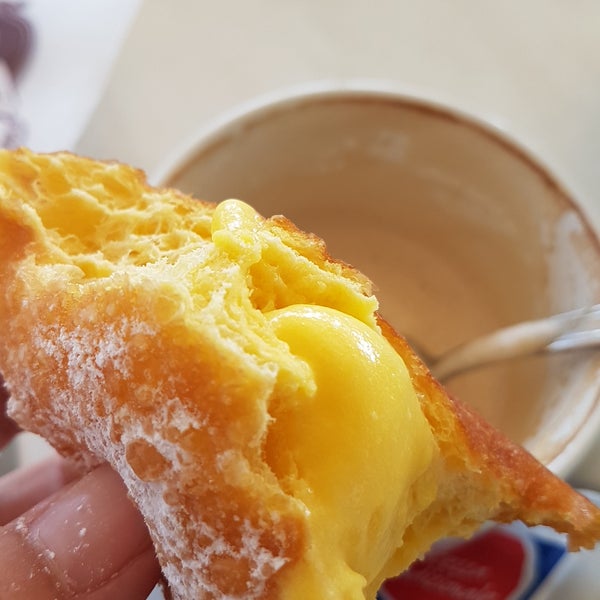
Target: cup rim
(254, 111)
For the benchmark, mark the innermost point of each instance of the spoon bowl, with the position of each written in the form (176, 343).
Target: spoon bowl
(572, 330)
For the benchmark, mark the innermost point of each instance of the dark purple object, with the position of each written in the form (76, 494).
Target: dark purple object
(15, 37)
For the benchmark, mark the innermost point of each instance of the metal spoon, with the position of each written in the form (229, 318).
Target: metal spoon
(565, 331)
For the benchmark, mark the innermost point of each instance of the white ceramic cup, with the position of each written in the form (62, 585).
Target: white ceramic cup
(459, 227)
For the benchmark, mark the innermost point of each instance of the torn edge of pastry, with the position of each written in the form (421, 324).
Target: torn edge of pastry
(281, 440)
(529, 492)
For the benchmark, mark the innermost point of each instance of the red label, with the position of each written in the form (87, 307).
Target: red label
(488, 567)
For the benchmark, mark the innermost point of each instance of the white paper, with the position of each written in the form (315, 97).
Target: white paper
(74, 48)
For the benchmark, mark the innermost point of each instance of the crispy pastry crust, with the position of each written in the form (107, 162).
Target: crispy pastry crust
(527, 490)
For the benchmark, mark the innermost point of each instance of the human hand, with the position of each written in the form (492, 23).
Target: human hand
(63, 536)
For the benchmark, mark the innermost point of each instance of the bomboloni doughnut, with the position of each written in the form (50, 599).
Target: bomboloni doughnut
(280, 439)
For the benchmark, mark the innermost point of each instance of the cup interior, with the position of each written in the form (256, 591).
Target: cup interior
(459, 228)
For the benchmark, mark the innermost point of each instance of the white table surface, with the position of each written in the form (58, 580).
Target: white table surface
(530, 66)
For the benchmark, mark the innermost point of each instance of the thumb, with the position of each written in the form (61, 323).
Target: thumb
(86, 541)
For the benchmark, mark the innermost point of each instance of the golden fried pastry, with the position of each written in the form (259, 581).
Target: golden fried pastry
(279, 438)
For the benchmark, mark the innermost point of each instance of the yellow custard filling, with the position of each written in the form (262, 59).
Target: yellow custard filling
(349, 442)
(351, 453)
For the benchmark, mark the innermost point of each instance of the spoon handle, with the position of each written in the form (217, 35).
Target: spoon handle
(565, 331)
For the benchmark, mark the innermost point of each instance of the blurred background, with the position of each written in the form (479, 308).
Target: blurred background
(531, 67)
(133, 79)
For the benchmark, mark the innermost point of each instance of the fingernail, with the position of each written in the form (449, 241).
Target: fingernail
(90, 531)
